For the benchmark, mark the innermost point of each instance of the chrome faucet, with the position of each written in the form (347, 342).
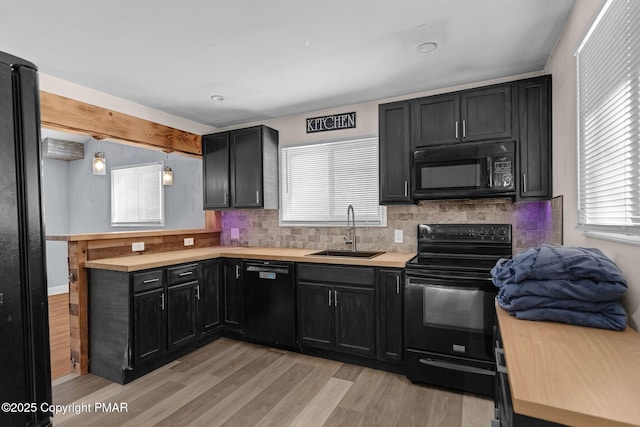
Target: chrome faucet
(350, 238)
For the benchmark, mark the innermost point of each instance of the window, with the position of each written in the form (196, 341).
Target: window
(137, 195)
(318, 182)
(609, 122)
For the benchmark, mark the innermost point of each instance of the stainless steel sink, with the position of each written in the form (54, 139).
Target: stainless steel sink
(347, 253)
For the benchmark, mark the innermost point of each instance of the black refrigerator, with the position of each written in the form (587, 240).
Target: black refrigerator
(25, 370)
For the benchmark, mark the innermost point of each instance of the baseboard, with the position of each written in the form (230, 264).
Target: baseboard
(55, 290)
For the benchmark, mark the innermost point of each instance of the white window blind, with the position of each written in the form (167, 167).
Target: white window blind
(319, 181)
(608, 69)
(137, 195)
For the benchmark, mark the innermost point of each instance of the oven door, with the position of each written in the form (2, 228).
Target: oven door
(450, 315)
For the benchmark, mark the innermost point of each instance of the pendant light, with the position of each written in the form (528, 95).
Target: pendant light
(167, 173)
(99, 163)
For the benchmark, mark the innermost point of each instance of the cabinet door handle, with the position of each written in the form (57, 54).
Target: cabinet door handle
(406, 189)
(226, 198)
(457, 131)
(335, 298)
(162, 301)
(329, 297)
(151, 280)
(258, 196)
(237, 271)
(186, 273)
(524, 182)
(398, 285)
(198, 292)
(464, 128)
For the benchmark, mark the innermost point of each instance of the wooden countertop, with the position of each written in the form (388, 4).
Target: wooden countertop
(145, 261)
(572, 375)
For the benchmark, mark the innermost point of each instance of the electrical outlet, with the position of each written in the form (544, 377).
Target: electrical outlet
(188, 241)
(137, 246)
(398, 236)
(235, 233)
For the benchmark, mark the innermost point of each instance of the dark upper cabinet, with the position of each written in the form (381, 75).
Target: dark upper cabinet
(466, 116)
(390, 291)
(233, 302)
(487, 113)
(395, 153)
(534, 143)
(436, 120)
(240, 169)
(208, 298)
(215, 164)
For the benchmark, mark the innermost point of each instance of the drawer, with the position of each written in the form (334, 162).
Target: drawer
(182, 273)
(336, 274)
(147, 280)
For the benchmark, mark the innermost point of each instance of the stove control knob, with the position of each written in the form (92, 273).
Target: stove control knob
(482, 232)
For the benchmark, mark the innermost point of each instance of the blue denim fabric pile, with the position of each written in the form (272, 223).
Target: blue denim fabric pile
(579, 286)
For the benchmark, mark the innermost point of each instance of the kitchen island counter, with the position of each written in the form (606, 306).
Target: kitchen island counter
(572, 375)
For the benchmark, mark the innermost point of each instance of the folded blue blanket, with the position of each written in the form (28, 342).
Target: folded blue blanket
(580, 289)
(557, 263)
(615, 320)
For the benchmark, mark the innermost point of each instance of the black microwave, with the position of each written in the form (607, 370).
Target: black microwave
(471, 170)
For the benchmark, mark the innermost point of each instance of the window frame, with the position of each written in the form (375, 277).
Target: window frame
(382, 211)
(149, 223)
(623, 226)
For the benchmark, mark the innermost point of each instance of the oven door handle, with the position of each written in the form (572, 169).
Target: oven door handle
(456, 367)
(431, 276)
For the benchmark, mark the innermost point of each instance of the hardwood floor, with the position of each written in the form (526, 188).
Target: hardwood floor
(59, 335)
(232, 383)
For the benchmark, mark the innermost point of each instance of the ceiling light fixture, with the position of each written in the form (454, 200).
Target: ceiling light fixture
(217, 97)
(427, 47)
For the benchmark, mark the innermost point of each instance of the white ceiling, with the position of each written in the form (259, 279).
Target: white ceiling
(278, 57)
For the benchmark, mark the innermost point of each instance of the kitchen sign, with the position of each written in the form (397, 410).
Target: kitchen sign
(334, 122)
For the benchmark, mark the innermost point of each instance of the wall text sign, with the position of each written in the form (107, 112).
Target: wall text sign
(333, 122)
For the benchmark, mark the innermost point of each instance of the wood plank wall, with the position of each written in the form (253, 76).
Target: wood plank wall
(81, 251)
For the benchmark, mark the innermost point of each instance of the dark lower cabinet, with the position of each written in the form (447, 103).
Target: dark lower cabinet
(149, 325)
(209, 320)
(316, 319)
(336, 308)
(233, 302)
(181, 314)
(390, 297)
(142, 320)
(355, 320)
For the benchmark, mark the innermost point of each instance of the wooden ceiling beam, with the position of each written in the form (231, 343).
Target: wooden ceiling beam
(65, 114)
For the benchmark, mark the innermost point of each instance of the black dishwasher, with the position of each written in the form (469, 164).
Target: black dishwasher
(269, 303)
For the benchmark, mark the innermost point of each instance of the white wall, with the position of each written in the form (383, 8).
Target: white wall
(562, 66)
